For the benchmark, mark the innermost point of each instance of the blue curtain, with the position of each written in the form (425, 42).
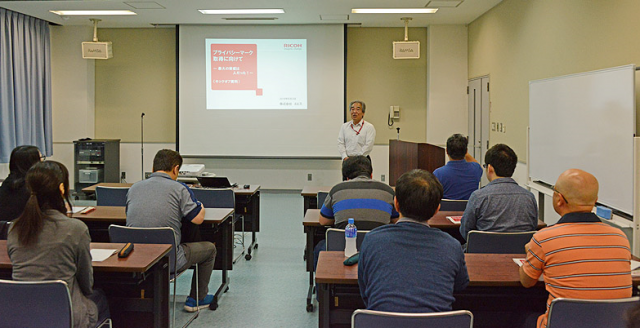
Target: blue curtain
(25, 83)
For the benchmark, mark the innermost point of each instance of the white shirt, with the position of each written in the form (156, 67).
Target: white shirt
(356, 139)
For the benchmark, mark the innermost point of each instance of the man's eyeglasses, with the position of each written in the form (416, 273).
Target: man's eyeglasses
(485, 165)
(43, 158)
(559, 193)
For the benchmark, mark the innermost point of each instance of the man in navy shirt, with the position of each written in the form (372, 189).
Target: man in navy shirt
(409, 266)
(461, 176)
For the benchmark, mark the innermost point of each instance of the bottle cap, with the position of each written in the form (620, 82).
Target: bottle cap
(351, 221)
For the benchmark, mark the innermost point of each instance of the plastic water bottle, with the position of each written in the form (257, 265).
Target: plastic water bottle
(350, 236)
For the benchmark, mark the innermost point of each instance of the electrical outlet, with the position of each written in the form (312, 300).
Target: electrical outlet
(123, 175)
(309, 177)
(382, 177)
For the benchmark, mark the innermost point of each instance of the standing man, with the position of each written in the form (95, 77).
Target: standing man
(502, 205)
(356, 137)
(580, 256)
(409, 266)
(160, 201)
(461, 176)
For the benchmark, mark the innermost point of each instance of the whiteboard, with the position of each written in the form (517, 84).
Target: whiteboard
(585, 121)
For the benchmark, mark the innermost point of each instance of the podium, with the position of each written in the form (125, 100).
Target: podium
(405, 156)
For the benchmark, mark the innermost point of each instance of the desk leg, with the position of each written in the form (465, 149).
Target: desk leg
(227, 241)
(308, 256)
(323, 299)
(254, 202)
(161, 293)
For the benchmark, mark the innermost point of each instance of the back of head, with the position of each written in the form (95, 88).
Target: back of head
(355, 166)
(22, 159)
(503, 159)
(580, 188)
(457, 146)
(418, 193)
(43, 180)
(166, 160)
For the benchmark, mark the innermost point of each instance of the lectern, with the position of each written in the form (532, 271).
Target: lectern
(405, 156)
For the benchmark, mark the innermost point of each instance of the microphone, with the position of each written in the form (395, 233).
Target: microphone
(142, 115)
(398, 133)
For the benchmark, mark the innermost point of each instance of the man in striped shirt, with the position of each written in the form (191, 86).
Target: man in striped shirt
(580, 256)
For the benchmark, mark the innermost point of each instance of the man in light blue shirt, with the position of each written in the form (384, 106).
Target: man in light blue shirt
(502, 205)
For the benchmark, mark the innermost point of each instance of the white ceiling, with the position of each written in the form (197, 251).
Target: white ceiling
(173, 12)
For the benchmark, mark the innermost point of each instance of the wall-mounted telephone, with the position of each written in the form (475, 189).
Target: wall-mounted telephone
(394, 113)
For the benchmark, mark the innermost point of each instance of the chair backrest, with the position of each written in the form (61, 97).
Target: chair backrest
(322, 195)
(35, 304)
(4, 229)
(570, 313)
(162, 235)
(110, 196)
(216, 198)
(373, 319)
(336, 242)
(453, 205)
(497, 242)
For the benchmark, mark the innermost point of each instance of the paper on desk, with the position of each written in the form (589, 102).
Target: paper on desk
(520, 262)
(76, 209)
(454, 219)
(99, 255)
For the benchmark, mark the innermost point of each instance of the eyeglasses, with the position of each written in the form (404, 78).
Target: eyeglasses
(43, 158)
(559, 193)
(485, 165)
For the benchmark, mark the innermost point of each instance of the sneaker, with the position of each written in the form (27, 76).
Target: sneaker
(191, 306)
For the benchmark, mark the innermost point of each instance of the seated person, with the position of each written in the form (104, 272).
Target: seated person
(160, 201)
(580, 256)
(45, 244)
(13, 191)
(462, 173)
(368, 202)
(409, 266)
(502, 205)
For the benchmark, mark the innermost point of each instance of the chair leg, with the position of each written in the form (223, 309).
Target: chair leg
(197, 299)
(175, 282)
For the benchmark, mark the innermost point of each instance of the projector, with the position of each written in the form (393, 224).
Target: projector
(191, 170)
(406, 50)
(96, 50)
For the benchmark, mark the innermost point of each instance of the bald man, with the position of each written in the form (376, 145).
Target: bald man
(580, 256)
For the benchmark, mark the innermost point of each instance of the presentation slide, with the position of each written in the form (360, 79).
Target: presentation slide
(248, 74)
(268, 91)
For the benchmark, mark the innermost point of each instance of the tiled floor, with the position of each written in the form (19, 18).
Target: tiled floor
(269, 290)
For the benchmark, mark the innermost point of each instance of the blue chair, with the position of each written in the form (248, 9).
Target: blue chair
(375, 319)
(487, 242)
(37, 304)
(164, 235)
(322, 195)
(453, 205)
(110, 196)
(578, 313)
(4, 229)
(223, 198)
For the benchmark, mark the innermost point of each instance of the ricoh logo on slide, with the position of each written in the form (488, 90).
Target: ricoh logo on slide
(293, 46)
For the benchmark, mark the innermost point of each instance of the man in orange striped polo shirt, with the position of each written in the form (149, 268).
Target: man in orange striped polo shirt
(580, 256)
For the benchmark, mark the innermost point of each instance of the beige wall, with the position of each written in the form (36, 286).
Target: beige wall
(374, 77)
(140, 78)
(447, 83)
(519, 41)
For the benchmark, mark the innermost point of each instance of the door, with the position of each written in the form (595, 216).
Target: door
(479, 104)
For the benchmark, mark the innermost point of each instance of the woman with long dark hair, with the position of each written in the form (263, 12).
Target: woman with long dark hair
(13, 191)
(44, 244)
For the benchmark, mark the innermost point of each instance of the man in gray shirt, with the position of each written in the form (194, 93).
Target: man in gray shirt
(160, 201)
(502, 205)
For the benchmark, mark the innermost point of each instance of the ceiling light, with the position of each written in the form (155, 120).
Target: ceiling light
(92, 12)
(394, 10)
(240, 11)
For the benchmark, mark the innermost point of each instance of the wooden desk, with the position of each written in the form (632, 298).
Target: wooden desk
(138, 283)
(247, 205)
(217, 228)
(494, 287)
